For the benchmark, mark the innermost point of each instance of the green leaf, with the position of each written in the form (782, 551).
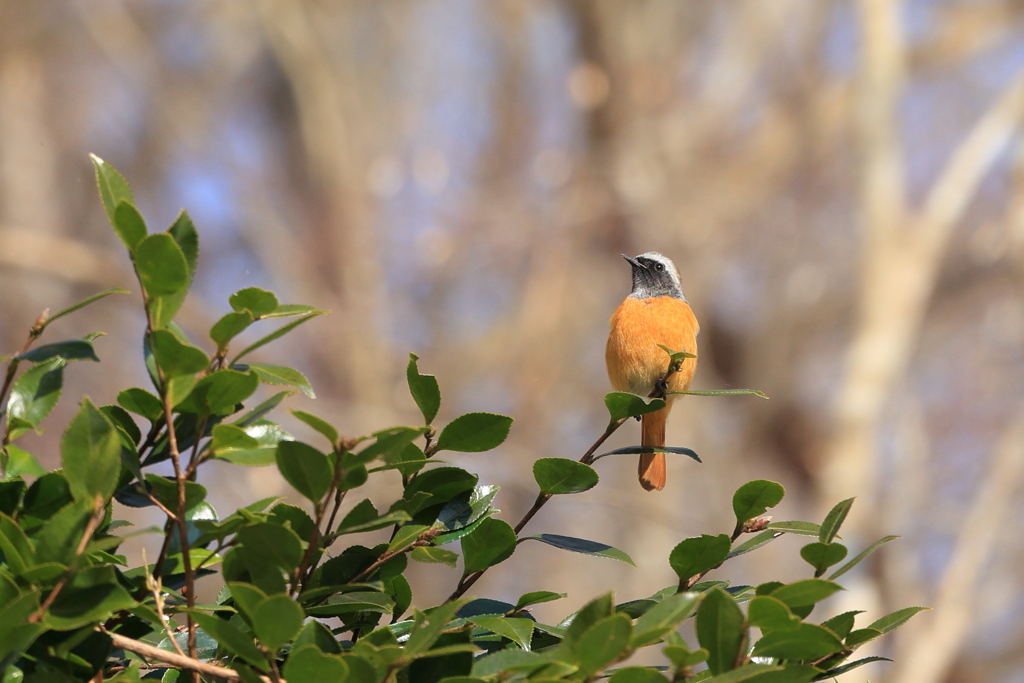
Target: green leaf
(771, 614)
(622, 405)
(20, 462)
(277, 545)
(474, 432)
(292, 310)
(85, 302)
(161, 265)
(307, 664)
(857, 560)
(276, 334)
(231, 638)
(228, 436)
(316, 634)
(861, 636)
(305, 468)
(429, 627)
(721, 630)
(264, 433)
(165, 489)
(795, 527)
(174, 357)
(15, 546)
(185, 235)
(519, 631)
(744, 673)
(246, 596)
(432, 555)
(579, 545)
(723, 392)
(297, 518)
(112, 186)
(562, 475)
(603, 643)
(229, 326)
(35, 393)
(841, 624)
(259, 302)
(493, 541)
(424, 390)
(129, 225)
(840, 670)
(754, 498)
(397, 517)
(805, 593)
(536, 597)
(357, 601)
(277, 621)
(90, 453)
(694, 556)
(442, 484)
(219, 392)
(257, 413)
(406, 536)
(763, 538)
(665, 615)
(636, 674)
(637, 450)
(388, 441)
(141, 402)
(833, 520)
(318, 424)
(804, 642)
(71, 349)
(280, 375)
(90, 596)
(821, 556)
(891, 622)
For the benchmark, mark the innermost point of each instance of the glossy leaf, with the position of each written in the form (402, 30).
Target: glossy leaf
(305, 468)
(71, 349)
(857, 560)
(141, 402)
(804, 642)
(219, 392)
(637, 450)
(694, 556)
(277, 621)
(720, 630)
(90, 453)
(307, 664)
(21, 462)
(754, 498)
(603, 643)
(34, 394)
(771, 614)
(636, 674)
(493, 541)
(474, 432)
(85, 302)
(276, 544)
(424, 389)
(267, 435)
(833, 520)
(129, 224)
(112, 186)
(429, 627)
(622, 405)
(579, 545)
(161, 265)
(667, 614)
(280, 375)
(88, 597)
(536, 598)
(821, 556)
(891, 622)
(805, 593)
(276, 334)
(519, 631)
(797, 528)
(755, 542)
(562, 475)
(231, 638)
(174, 357)
(842, 624)
(259, 302)
(318, 424)
(229, 326)
(432, 555)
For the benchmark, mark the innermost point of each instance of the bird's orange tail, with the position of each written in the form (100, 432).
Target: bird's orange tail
(652, 468)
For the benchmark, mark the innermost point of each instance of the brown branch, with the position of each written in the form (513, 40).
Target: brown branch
(12, 367)
(189, 663)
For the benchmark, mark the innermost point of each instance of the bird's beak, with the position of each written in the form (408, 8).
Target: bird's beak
(633, 262)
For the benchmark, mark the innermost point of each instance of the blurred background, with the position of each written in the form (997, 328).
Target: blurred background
(840, 183)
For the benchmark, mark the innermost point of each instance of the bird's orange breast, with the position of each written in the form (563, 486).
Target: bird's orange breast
(635, 362)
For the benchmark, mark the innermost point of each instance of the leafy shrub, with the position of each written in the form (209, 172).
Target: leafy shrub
(303, 601)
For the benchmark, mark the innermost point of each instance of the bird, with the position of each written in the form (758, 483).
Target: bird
(655, 312)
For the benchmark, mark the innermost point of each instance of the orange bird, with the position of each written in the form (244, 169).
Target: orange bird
(654, 313)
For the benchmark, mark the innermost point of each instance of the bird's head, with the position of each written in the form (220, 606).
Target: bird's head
(654, 275)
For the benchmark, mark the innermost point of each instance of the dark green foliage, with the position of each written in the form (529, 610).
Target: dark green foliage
(71, 607)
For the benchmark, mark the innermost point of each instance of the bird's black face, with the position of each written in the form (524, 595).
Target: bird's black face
(654, 275)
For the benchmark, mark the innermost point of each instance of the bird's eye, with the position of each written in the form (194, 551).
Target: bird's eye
(659, 266)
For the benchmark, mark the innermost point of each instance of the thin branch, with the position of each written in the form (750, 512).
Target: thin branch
(12, 366)
(189, 663)
(90, 529)
(155, 587)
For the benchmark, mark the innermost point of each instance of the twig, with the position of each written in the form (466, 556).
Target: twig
(155, 587)
(90, 529)
(12, 367)
(179, 661)
(660, 387)
(423, 539)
